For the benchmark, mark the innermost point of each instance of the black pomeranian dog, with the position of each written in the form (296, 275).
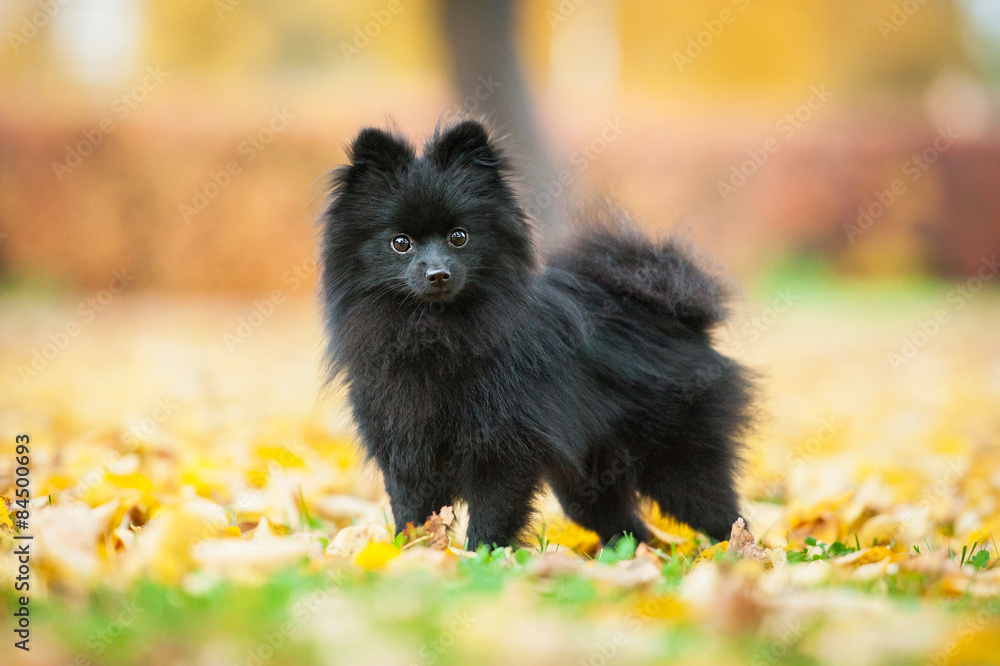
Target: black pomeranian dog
(474, 374)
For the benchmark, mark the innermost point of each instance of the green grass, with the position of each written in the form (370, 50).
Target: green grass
(815, 280)
(420, 613)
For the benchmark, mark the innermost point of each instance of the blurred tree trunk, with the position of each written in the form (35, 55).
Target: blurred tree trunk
(482, 45)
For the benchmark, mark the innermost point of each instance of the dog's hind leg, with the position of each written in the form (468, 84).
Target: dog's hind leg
(605, 499)
(698, 490)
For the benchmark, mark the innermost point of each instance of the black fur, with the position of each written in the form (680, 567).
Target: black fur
(595, 373)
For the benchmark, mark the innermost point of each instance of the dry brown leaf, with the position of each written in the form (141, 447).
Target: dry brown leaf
(436, 528)
(123, 537)
(934, 561)
(743, 544)
(644, 552)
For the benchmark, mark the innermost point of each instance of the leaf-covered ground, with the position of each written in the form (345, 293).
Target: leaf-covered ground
(197, 500)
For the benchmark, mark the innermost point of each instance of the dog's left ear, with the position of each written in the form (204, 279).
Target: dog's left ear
(379, 150)
(466, 143)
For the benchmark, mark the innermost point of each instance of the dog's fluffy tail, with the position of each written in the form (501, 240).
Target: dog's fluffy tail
(663, 275)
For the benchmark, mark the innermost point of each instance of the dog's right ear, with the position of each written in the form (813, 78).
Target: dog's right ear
(376, 150)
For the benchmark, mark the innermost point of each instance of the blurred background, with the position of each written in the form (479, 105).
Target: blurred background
(189, 142)
(162, 165)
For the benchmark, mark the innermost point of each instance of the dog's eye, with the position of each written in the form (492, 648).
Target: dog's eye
(458, 237)
(401, 243)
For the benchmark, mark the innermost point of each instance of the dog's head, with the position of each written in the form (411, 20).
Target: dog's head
(444, 226)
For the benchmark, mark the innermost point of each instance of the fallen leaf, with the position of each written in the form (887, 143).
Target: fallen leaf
(252, 561)
(162, 549)
(644, 552)
(866, 556)
(6, 526)
(625, 574)
(436, 528)
(708, 555)
(554, 563)
(562, 531)
(66, 538)
(376, 554)
(423, 559)
(350, 541)
(348, 508)
(743, 544)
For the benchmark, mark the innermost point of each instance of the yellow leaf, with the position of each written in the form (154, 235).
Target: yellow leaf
(821, 521)
(948, 443)
(666, 608)
(206, 477)
(345, 456)
(281, 455)
(375, 555)
(980, 647)
(868, 556)
(136, 481)
(130, 488)
(5, 504)
(954, 586)
(56, 482)
(163, 548)
(342, 452)
(257, 478)
(677, 535)
(988, 534)
(708, 555)
(568, 534)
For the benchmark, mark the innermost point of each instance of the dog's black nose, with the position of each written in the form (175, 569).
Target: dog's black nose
(438, 276)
